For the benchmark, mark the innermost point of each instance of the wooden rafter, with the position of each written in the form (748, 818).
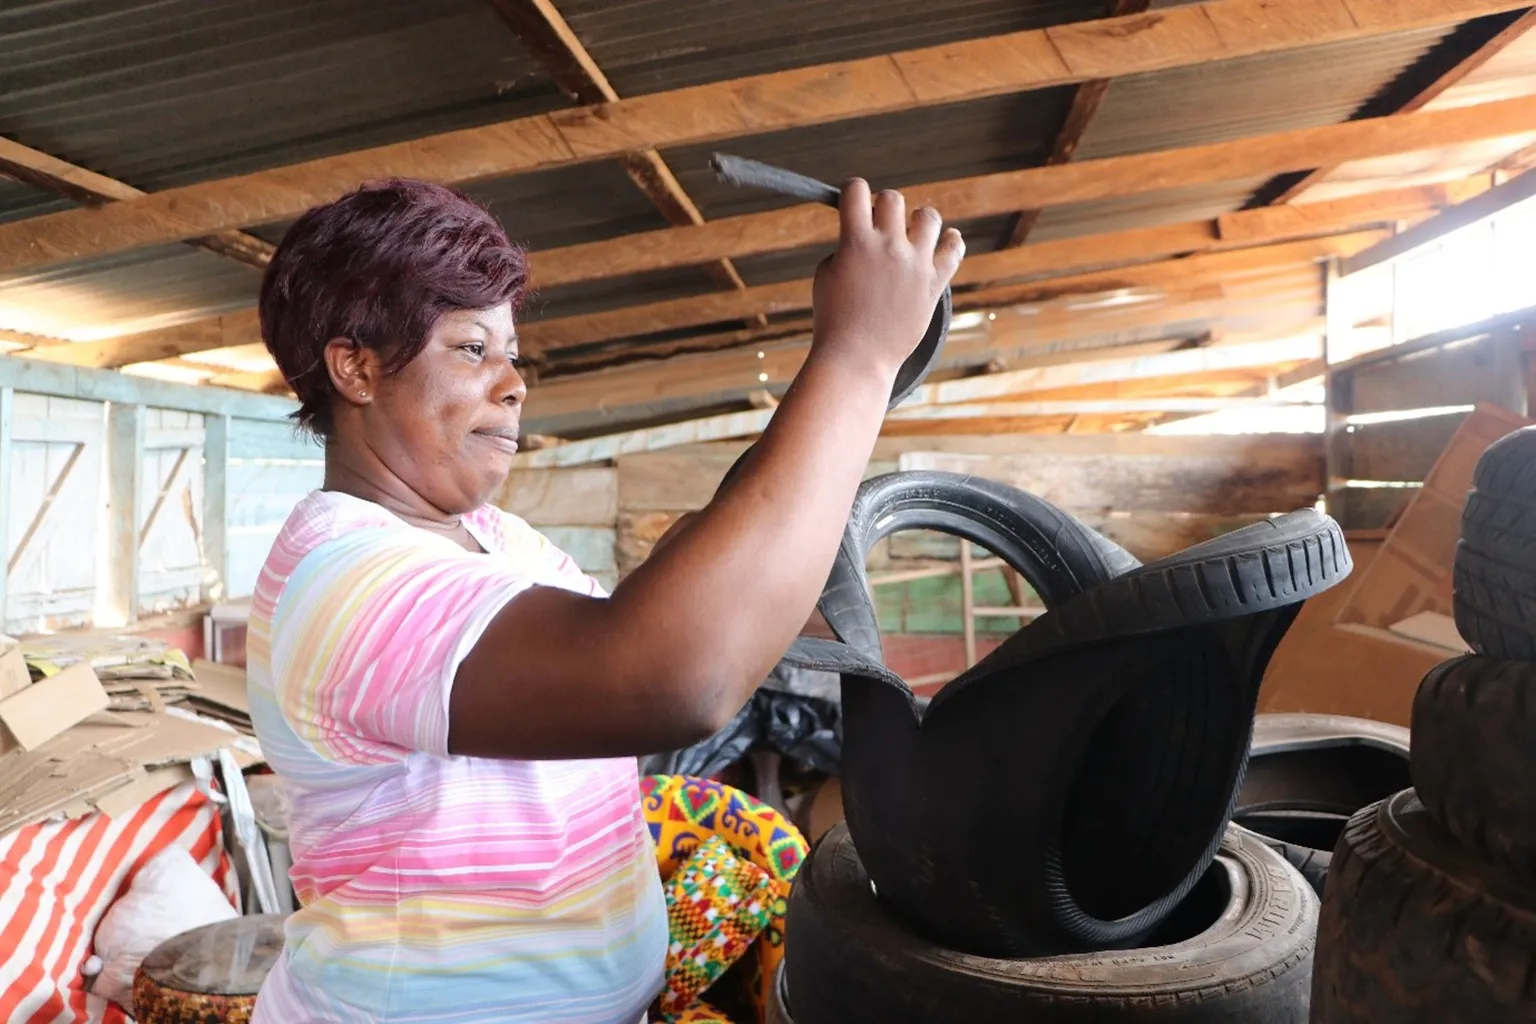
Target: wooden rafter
(227, 331)
(1182, 36)
(1288, 303)
(1084, 107)
(541, 28)
(1480, 55)
(1232, 368)
(1044, 260)
(996, 194)
(50, 174)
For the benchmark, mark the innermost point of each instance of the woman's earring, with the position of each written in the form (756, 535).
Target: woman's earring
(362, 394)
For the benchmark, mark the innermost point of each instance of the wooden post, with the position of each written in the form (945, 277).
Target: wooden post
(967, 602)
(125, 487)
(7, 418)
(1335, 403)
(216, 505)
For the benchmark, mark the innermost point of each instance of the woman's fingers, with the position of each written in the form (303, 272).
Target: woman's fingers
(854, 211)
(951, 250)
(923, 231)
(891, 213)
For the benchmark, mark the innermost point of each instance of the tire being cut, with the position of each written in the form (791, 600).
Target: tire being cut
(1307, 774)
(1245, 955)
(1272, 564)
(1417, 929)
(1495, 575)
(1059, 556)
(1474, 756)
(1116, 746)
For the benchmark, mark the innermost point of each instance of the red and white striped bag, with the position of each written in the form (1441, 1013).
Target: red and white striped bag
(57, 879)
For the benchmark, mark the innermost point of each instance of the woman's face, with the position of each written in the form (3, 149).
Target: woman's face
(447, 424)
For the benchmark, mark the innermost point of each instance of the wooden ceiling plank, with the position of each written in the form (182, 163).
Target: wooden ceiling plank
(77, 184)
(999, 194)
(545, 338)
(1500, 42)
(1517, 190)
(549, 38)
(1184, 36)
(1084, 107)
(227, 331)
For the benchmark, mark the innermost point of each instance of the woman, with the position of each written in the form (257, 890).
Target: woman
(454, 708)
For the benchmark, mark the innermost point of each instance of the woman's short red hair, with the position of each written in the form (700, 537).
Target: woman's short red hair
(379, 266)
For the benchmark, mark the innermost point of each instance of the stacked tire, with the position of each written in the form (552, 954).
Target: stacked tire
(1430, 912)
(1238, 949)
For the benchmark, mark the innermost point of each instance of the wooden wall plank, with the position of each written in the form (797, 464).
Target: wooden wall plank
(1398, 449)
(1368, 508)
(1277, 476)
(579, 496)
(1215, 475)
(591, 546)
(1479, 370)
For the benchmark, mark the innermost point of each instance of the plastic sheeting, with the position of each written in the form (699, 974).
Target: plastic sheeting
(797, 713)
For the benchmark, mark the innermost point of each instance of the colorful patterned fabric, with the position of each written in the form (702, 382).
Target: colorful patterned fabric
(700, 1013)
(433, 887)
(57, 879)
(717, 903)
(154, 1003)
(682, 812)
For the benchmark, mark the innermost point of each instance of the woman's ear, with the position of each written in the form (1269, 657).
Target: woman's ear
(354, 370)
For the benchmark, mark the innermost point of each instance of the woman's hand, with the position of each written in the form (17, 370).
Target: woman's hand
(874, 297)
(686, 637)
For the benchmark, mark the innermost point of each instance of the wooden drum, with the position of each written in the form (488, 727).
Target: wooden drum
(209, 974)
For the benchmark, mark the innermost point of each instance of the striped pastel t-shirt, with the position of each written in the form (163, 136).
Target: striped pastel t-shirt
(434, 887)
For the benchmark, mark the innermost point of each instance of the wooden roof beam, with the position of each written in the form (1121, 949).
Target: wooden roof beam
(1183, 36)
(227, 331)
(996, 194)
(1490, 48)
(647, 390)
(50, 174)
(541, 28)
(1050, 261)
(1086, 100)
(1061, 257)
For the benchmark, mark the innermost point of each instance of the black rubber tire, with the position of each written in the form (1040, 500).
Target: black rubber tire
(777, 1010)
(1416, 929)
(1307, 774)
(1112, 751)
(849, 961)
(1109, 771)
(1495, 576)
(1474, 756)
(1277, 563)
(1311, 863)
(1494, 605)
(1059, 556)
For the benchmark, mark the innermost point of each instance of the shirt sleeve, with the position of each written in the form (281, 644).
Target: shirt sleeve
(368, 635)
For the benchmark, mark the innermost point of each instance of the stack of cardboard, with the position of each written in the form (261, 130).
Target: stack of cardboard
(92, 723)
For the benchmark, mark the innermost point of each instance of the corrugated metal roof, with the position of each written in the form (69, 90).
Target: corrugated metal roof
(126, 293)
(18, 200)
(1251, 96)
(896, 150)
(166, 93)
(651, 45)
(1169, 206)
(169, 92)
